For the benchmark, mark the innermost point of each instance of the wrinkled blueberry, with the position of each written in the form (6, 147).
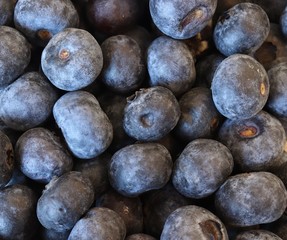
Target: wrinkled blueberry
(86, 128)
(72, 59)
(27, 102)
(40, 155)
(15, 55)
(138, 168)
(201, 168)
(181, 19)
(170, 64)
(248, 199)
(255, 143)
(193, 222)
(40, 20)
(151, 113)
(99, 223)
(241, 29)
(240, 87)
(64, 200)
(257, 235)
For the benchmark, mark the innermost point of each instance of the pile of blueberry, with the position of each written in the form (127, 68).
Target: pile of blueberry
(143, 119)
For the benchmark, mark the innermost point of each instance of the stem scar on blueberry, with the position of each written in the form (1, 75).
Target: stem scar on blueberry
(262, 89)
(196, 14)
(64, 54)
(223, 17)
(211, 229)
(44, 35)
(214, 123)
(248, 131)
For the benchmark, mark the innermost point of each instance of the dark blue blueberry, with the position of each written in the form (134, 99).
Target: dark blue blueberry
(40, 20)
(72, 59)
(240, 87)
(27, 102)
(181, 19)
(241, 29)
(86, 128)
(283, 22)
(170, 64)
(7, 12)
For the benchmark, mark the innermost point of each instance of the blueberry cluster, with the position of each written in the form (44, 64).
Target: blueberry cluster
(143, 119)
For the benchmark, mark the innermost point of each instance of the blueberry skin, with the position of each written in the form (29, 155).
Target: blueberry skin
(255, 143)
(27, 102)
(242, 202)
(39, 21)
(257, 235)
(241, 29)
(201, 168)
(7, 12)
(40, 155)
(199, 116)
(99, 223)
(15, 55)
(49, 234)
(72, 59)
(17, 213)
(64, 200)
(193, 222)
(151, 113)
(86, 128)
(181, 19)
(283, 22)
(138, 168)
(6, 159)
(124, 66)
(140, 236)
(170, 64)
(240, 87)
(276, 103)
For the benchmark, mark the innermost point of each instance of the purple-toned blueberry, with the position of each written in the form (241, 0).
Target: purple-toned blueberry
(193, 222)
(249, 199)
(255, 143)
(151, 113)
(86, 128)
(170, 64)
(257, 235)
(181, 19)
(99, 223)
(283, 22)
(241, 29)
(40, 20)
(72, 59)
(140, 167)
(240, 87)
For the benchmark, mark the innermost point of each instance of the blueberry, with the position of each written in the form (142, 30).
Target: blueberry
(64, 200)
(257, 235)
(140, 167)
(15, 55)
(170, 64)
(86, 128)
(50, 234)
(17, 213)
(124, 67)
(151, 113)
(6, 159)
(240, 87)
(40, 155)
(99, 223)
(72, 59)
(255, 143)
(201, 168)
(283, 22)
(276, 103)
(193, 222)
(199, 116)
(39, 21)
(241, 29)
(129, 209)
(181, 19)
(27, 102)
(140, 236)
(7, 12)
(248, 199)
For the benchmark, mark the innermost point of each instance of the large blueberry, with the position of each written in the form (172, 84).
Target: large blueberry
(170, 64)
(27, 102)
(86, 128)
(240, 87)
(151, 113)
(181, 19)
(72, 59)
(140, 167)
(241, 29)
